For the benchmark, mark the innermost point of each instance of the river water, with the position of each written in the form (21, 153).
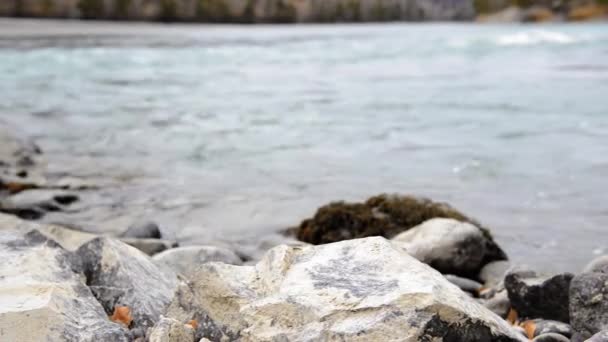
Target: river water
(230, 133)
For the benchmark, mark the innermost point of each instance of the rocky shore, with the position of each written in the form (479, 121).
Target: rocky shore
(392, 268)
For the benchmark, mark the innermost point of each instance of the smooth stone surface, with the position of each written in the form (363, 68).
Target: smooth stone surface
(551, 337)
(35, 203)
(544, 326)
(42, 296)
(143, 230)
(539, 297)
(494, 272)
(119, 274)
(356, 290)
(447, 245)
(150, 246)
(599, 264)
(498, 304)
(464, 284)
(589, 303)
(171, 330)
(185, 260)
(601, 336)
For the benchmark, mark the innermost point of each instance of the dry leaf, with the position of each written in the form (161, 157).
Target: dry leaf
(122, 315)
(512, 316)
(530, 328)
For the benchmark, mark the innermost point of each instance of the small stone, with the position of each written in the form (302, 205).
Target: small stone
(494, 272)
(185, 260)
(143, 230)
(539, 297)
(150, 246)
(589, 303)
(545, 326)
(601, 336)
(551, 337)
(599, 264)
(171, 330)
(465, 284)
(499, 303)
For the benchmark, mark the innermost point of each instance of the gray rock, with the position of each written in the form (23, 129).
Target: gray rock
(601, 336)
(171, 330)
(143, 230)
(363, 290)
(544, 326)
(551, 337)
(499, 303)
(33, 204)
(185, 260)
(464, 284)
(42, 296)
(589, 303)
(447, 245)
(539, 297)
(119, 274)
(494, 272)
(150, 246)
(599, 264)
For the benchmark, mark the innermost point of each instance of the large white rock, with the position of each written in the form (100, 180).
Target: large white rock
(447, 245)
(42, 298)
(185, 260)
(356, 290)
(119, 274)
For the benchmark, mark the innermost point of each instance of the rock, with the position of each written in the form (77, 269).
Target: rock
(589, 303)
(539, 297)
(33, 204)
(42, 297)
(511, 14)
(498, 304)
(150, 246)
(122, 275)
(464, 284)
(543, 326)
(601, 336)
(536, 14)
(357, 290)
(588, 12)
(599, 264)
(185, 260)
(143, 230)
(447, 245)
(494, 272)
(170, 330)
(551, 337)
(251, 251)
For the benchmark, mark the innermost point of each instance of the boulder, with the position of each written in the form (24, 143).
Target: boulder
(33, 204)
(382, 215)
(601, 336)
(494, 272)
(447, 245)
(357, 290)
(535, 296)
(551, 337)
(589, 303)
(185, 260)
(537, 14)
(143, 230)
(171, 330)
(42, 296)
(599, 264)
(150, 246)
(120, 275)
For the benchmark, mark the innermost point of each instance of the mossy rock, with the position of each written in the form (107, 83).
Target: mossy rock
(382, 215)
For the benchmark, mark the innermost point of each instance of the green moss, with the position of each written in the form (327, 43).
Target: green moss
(383, 215)
(91, 9)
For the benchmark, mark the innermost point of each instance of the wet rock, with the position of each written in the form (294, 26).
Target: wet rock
(601, 336)
(551, 337)
(365, 289)
(494, 272)
(383, 215)
(464, 284)
(535, 296)
(150, 246)
(447, 245)
(143, 230)
(33, 204)
(499, 303)
(42, 296)
(185, 260)
(543, 326)
(589, 303)
(119, 274)
(171, 330)
(599, 264)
